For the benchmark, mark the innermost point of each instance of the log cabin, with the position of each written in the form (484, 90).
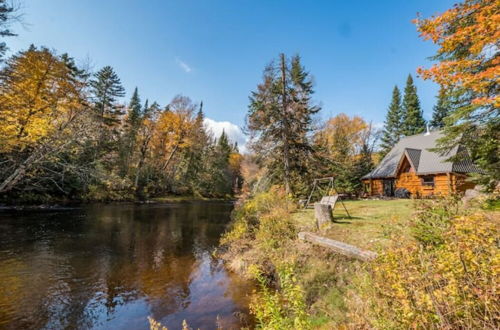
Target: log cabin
(422, 172)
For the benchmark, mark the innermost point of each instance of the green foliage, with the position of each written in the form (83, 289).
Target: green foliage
(283, 308)
(432, 218)
(279, 119)
(413, 121)
(393, 121)
(106, 88)
(442, 109)
(7, 11)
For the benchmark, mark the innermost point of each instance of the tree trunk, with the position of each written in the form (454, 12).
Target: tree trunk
(18, 174)
(323, 214)
(339, 247)
(164, 167)
(286, 151)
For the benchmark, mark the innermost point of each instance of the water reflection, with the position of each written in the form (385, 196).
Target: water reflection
(112, 266)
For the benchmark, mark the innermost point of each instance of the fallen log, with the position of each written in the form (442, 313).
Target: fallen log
(339, 247)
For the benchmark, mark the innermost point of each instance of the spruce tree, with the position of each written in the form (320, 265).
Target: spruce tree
(392, 126)
(280, 118)
(106, 88)
(7, 15)
(134, 110)
(413, 119)
(442, 109)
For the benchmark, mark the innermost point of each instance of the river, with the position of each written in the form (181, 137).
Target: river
(112, 266)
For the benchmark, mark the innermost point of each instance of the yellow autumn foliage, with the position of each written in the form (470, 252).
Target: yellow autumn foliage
(37, 95)
(453, 285)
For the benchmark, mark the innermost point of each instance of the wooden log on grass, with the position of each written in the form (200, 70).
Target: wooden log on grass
(323, 214)
(339, 247)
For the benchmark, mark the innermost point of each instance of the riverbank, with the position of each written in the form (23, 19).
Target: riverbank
(305, 286)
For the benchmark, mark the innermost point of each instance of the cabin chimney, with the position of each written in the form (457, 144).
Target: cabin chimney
(428, 130)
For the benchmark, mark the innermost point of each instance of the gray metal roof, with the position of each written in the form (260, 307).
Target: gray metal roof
(414, 156)
(416, 147)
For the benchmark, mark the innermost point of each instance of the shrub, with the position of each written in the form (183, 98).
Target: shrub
(452, 285)
(266, 216)
(432, 218)
(283, 308)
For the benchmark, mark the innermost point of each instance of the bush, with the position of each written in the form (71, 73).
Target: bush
(449, 281)
(265, 217)
(284, 308)
(433, 217)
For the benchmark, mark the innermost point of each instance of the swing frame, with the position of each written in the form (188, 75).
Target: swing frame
(331, 185)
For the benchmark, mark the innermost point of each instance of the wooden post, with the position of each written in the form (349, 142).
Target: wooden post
(339, 247)
(323, 214)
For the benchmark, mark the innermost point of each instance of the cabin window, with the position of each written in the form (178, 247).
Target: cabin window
(428, 180)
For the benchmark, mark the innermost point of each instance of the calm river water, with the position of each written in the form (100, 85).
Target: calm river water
(112, 266)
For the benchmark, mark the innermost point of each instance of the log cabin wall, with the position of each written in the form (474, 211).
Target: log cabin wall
(374, 187)
(415, 184)
(444, 184)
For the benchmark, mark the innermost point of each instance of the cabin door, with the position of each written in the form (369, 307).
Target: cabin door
(389, 187)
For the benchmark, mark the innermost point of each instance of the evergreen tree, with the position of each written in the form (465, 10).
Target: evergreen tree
(280, 118)
(134, 110)
(134, 117)
(106, 88)
(442, 109)
(6, 17)
(413, 119)
(393, 121)
(198, 155)
(220, 175)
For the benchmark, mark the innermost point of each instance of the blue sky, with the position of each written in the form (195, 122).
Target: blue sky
(215, 51)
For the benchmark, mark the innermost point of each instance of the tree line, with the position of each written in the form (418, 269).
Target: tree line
(65, 134)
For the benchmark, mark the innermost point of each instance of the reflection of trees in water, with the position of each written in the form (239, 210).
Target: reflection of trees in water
(77, 268)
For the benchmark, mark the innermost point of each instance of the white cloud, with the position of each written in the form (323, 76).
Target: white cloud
(183, 65)
(233, 132)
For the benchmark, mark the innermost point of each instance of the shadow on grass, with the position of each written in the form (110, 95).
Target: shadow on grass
(339, 218)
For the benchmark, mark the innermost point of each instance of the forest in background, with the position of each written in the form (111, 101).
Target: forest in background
(66, 135)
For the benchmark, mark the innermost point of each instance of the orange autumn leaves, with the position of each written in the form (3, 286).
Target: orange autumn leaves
(468, 36)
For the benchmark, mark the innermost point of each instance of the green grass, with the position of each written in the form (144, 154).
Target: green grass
(371, 224)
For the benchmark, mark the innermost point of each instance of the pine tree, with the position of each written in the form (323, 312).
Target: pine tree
(280, 118)
(413, 119)
(106, 88)
(393, 121)
(442, 109)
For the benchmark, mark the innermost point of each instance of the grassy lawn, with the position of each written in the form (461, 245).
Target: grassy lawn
(371, 224)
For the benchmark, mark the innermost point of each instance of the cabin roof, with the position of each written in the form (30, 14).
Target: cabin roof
(424, 161)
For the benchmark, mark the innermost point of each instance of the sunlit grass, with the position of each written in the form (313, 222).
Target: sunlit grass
(371, 224)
